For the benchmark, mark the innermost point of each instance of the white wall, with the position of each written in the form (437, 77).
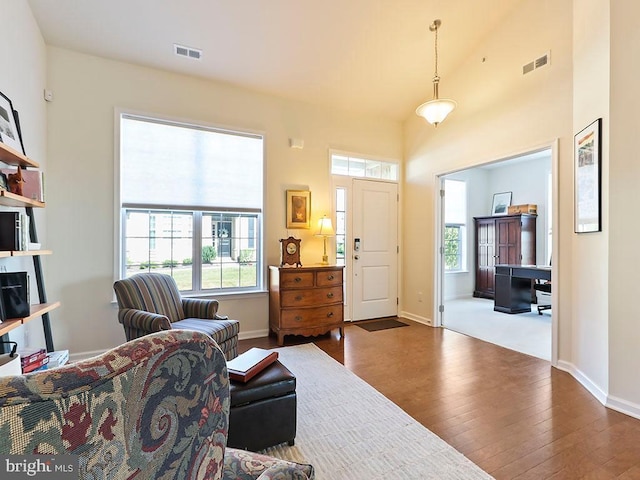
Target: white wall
(624, 228)
(22, 79)
(590, 289)
(81, 181)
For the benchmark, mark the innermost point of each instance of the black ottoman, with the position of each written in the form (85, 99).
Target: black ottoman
(263, 410)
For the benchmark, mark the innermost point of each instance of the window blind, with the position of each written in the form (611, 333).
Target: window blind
(166, 163)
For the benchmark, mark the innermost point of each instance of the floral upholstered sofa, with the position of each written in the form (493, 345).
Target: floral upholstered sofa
(156, 407)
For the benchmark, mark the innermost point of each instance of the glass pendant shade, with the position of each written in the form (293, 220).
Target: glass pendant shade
(436, 110)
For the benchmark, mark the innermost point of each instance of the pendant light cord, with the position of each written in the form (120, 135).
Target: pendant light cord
(436, 79)
(436, 48)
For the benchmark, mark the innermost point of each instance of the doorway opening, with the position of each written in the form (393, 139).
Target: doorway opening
(474, 238)
(366, 198)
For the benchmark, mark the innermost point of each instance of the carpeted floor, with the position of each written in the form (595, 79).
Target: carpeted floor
(349, 431)
(528, 333)
(383, 324)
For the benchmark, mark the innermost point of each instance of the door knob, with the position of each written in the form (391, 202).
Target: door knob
(357, 257)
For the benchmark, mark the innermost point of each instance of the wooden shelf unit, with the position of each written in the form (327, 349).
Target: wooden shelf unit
(23, 253)
(12, 157)
(9, 199)
(36, 311)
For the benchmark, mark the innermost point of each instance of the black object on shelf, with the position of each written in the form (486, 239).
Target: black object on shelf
(15, 294)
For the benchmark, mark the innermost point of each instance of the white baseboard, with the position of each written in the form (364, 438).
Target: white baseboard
(76, 357)
(416, 318)
(585, 381)
(614, 403)
(623, 406)
(253, 334)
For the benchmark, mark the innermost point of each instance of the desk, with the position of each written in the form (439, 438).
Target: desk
(513, 286)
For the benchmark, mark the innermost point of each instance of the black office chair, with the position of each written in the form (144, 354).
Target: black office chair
(542, 286)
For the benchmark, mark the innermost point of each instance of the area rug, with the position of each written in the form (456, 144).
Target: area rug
(381, 324)
(349, 431)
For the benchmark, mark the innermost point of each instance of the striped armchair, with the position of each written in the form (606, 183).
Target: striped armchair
(151, 302)
(156, 407)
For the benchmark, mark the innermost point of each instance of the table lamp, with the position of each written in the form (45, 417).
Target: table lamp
(325, 229)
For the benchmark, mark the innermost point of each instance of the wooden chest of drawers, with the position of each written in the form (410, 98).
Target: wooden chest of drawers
(305, 301)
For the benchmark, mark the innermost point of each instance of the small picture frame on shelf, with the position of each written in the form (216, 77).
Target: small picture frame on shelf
(3, 182)
(9, 131)
(501, 203)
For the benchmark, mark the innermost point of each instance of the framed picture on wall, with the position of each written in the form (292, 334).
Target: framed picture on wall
(587, 168)
(298, 209)
(501, 202)
(9, 131)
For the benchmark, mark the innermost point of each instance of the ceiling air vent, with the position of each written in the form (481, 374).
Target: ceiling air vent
(188, 52)
(537, 63)
(529, 67)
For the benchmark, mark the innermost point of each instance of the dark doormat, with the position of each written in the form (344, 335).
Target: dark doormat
(381, 324)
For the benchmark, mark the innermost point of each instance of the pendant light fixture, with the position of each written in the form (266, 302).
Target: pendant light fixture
(436, 110)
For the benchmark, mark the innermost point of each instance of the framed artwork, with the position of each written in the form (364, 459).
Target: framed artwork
(587, 171)
(501, 202)
(9, 131)
(298, 209)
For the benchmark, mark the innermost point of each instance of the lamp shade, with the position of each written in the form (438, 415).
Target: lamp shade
(436, 110)
(325, 228)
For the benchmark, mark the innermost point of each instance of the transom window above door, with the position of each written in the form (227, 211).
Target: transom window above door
(352, 166)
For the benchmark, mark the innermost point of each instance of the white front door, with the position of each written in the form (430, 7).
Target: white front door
(375, 249)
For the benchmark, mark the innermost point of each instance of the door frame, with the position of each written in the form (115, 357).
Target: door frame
(438, 293)
(346, 182)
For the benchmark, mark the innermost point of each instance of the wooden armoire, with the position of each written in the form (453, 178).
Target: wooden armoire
(506, 239)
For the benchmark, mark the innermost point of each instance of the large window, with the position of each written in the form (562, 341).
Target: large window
(455, 230)
(191, 204)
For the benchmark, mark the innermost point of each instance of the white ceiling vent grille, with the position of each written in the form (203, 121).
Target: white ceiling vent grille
(188, 52)
(539, 62)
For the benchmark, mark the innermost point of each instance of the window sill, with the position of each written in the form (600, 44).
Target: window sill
(454, 272)
(230, 295)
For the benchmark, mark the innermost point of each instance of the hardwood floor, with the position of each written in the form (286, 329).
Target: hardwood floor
(512, 414)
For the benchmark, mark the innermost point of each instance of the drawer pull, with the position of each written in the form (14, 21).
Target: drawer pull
(298, 298)
(330, 314)
(331, 277)
(330, 295)
(298, 318)
(298, 280)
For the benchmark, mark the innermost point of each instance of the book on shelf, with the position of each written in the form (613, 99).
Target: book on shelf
(36, 365)
(33, 186)
(41, 367)
(31, 355)
(58, 358)
(247, 365)
(14, 231)
(14, 294)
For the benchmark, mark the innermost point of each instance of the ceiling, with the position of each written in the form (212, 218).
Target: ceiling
(363, 56)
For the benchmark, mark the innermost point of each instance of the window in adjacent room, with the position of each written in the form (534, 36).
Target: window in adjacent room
(190, 202)
(455, 230)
